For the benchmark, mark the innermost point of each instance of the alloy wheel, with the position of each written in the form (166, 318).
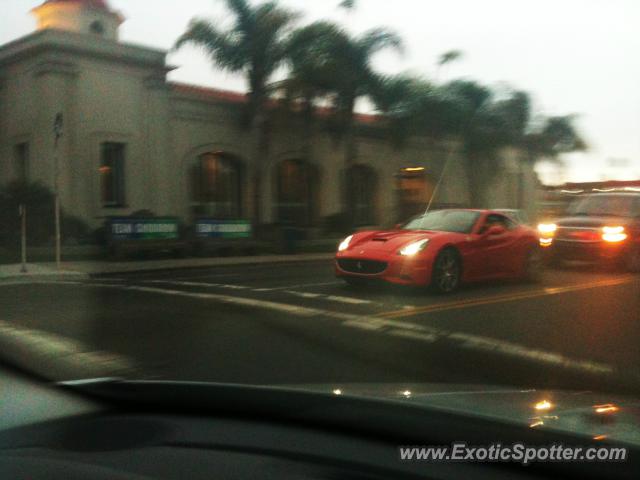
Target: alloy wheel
(446, 277)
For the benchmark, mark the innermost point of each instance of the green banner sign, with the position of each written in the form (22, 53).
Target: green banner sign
(126, 228)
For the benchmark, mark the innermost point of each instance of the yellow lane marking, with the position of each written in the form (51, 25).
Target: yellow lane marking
(473, 302)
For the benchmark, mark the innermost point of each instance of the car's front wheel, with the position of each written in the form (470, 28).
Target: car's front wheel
(532, 269)
(447, 272)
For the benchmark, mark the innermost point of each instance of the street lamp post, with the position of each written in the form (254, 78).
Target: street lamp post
(23, 237)
(57, 131)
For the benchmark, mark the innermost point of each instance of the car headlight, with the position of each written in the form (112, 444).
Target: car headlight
(547, 229)
(414, 248)
(546, 242)
(345, 243)
(614, 234)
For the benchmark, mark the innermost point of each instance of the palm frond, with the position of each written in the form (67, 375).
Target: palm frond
(450, 56)
(348, 5)
(377, 39)
(219, 45)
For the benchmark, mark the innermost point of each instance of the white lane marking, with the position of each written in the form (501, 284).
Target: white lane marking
(58, 356)
(333, 298)
(350, 300)
(299, 285)
(423, 337)
(361, 324)
(227, 299)
(476, 342)
(301, 294)
(12, 283)
(386, 326)
(198, 284)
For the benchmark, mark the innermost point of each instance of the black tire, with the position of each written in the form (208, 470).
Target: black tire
(533, 264)
(447, 272)
(552, 260)
(633, 260)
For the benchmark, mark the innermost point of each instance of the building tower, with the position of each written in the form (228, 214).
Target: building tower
(92, 17)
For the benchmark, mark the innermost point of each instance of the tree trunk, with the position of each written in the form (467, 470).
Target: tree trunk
(350, 157)
(260, 158)
(474, 167)
(309, 123)
(521, 186)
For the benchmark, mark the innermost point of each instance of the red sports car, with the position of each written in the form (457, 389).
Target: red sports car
(442, 249)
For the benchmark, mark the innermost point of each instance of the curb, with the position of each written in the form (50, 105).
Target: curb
(105, 270)
(252, 261)
(54, 277)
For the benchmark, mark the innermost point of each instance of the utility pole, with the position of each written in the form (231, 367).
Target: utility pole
(23, 218)
(57, 132)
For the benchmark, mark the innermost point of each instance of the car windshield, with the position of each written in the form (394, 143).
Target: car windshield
(606, 205)
(458, 221)
(234, 191)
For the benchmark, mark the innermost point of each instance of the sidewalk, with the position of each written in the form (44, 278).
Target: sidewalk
(85, 269)
(38, 271)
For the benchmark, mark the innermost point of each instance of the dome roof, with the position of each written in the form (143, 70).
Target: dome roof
(79, 16)
(97, 4)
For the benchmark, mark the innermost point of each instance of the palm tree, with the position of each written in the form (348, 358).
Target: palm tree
(409, 106)
(312, 54)
(557, 135)
(447, 58)
(355, 78)
(255, 46)
(328, 63)
(479, 127)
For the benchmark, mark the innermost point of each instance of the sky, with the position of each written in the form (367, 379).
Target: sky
(577, 57)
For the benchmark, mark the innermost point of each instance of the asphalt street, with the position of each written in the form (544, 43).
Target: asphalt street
(297, 324)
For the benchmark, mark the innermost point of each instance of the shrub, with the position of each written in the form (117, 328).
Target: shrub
(39, 201)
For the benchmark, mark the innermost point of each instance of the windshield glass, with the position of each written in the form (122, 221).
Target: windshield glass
(234, 191)
(458, 221)
(606, 205)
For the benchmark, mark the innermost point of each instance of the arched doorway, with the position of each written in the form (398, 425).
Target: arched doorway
(362, 183)
(295, 192)
(414, 188)
(216, 186)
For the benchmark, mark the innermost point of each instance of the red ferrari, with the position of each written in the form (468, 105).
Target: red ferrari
(442, 249)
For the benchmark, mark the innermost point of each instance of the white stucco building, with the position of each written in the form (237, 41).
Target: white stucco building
(135, 141)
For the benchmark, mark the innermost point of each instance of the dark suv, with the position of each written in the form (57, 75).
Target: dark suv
(603, 227)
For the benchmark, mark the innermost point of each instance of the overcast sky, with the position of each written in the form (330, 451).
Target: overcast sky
(573, 56)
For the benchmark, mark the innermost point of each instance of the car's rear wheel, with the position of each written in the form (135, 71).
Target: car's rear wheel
(447, 272)
(532, 269)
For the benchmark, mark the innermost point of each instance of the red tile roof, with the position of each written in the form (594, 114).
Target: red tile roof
(208, 93)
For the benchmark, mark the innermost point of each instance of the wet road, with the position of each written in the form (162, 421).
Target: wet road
(295, 323)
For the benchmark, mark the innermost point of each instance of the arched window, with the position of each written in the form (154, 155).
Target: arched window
(361, 194)
(415, 188)
(216, 186)
(295, 192)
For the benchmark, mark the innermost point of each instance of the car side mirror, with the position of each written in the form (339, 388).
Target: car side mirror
(495, 230)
